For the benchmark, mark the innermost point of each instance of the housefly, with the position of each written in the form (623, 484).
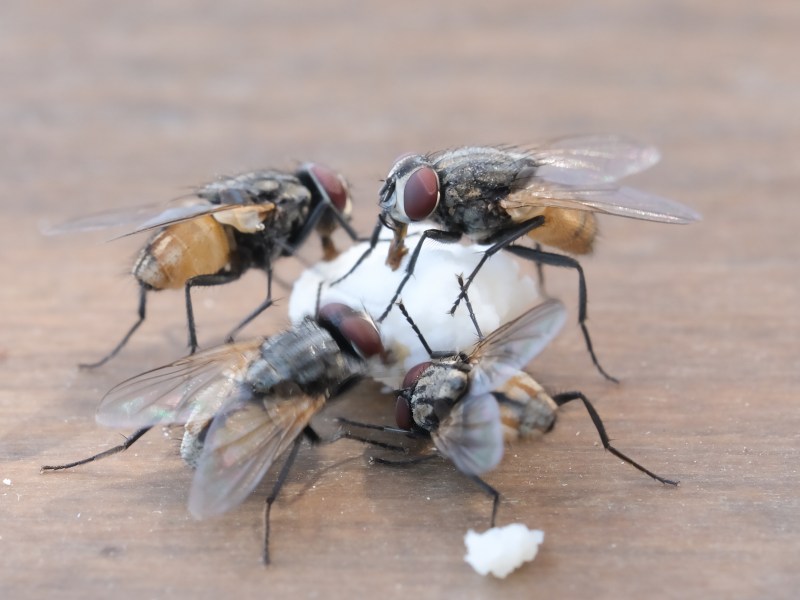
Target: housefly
(243, 404)
(231, 225)
(497, 195)
(471, 404)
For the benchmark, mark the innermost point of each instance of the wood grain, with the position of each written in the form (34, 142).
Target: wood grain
(115, 104)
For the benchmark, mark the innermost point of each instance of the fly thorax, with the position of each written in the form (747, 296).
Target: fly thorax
(473, 184)
(476, 216)
(435, 393)
(306, 355)
(292, 215)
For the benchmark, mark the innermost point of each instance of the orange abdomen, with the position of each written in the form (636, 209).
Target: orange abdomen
(572, 231)
(200, 246)
(525, 408)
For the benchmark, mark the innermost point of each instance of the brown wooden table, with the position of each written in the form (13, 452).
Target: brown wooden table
(113, 104)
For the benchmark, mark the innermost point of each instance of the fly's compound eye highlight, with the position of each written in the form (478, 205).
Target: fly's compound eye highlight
(355, 327)
(332, 184)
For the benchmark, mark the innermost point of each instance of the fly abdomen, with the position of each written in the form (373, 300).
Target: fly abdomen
(572, 231)
(525, 408)
(177, 253)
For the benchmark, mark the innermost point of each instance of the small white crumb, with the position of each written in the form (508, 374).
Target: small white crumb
(500, 550)
(7, 481)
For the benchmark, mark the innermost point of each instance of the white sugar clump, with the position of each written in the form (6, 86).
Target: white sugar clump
(500, 550)
(498, 294)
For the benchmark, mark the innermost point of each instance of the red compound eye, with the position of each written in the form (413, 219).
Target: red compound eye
(334, 312)
(333, 185)
(414, 373)
(354, 327)
(421, 194)
(363, 335)
(402, 413)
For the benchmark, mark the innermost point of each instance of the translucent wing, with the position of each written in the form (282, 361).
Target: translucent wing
(598, 158)
(226, 193)
(471, 435)
(578, 173)
(584, 194)
(142, 218)
(106, 219)
(504, 352)
(167, 395)
(131, 216)
(177, 214)
(242, 444)
(587, 158)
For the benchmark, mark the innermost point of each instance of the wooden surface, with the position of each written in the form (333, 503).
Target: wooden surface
(114, 104)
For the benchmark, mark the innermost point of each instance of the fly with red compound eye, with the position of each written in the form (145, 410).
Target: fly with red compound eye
(498, 195)
(242, 405)
(470, 404)
(232, 224)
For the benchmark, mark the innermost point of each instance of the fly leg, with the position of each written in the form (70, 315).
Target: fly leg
(445, 237)
(324, 204)
(371, 442)
(129, 441)
(401, 463)
(562, 399)
(440, 353)
(124, 340)
(345, 224)
(432, 353)
(259, 309)
(314, 438)
(276, 488)
(203, 280)
(560, 260)
(540, 272)
(472, 317)
(499, 242)
(495, 495)
(373, 241)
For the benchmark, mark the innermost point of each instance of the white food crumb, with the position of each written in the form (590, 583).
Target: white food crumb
(500, 550)
(7, 481)
(498, 294)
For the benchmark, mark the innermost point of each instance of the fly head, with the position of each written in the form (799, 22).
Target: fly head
(430, 390)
